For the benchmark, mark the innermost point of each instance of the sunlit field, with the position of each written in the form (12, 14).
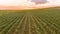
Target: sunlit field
(38, 21)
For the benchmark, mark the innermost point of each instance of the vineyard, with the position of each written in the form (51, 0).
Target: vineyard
(40, 21)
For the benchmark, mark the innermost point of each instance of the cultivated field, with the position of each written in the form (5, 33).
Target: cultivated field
(39, 21)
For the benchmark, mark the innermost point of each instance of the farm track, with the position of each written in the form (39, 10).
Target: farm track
(28, 24)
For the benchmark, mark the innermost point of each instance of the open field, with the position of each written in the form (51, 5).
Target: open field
(39, 21)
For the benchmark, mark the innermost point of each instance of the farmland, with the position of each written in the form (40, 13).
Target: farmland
(39, 21)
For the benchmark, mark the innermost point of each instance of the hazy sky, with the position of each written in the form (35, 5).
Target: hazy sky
(28, 3)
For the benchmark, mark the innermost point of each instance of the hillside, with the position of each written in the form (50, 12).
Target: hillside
(35, 21)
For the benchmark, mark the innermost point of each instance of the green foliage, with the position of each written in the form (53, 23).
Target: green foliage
(38, 21)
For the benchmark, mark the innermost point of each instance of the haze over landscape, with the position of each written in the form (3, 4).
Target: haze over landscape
(29, 16)
(26, 4)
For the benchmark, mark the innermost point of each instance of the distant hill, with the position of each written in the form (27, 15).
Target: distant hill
(45, 9)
